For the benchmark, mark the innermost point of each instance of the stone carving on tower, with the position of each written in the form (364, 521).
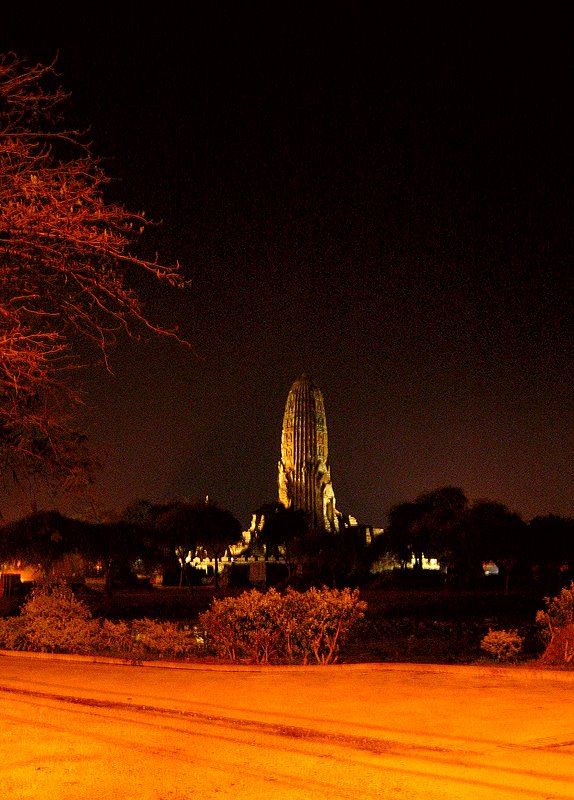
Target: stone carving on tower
(304, 477)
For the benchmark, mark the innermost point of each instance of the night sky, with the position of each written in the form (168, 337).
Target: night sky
(383, 204)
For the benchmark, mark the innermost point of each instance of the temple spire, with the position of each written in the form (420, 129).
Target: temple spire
(304, 478)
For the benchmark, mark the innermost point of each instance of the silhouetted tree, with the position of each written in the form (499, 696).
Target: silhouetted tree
(441, 513)
(491, 532)
(551, 547)
(40, 539)
(217, 529)
(141, 512)
(179, 526)
(263, 513)
(426, 527)
(401, 532)
(115, 545)
(284, 529)
(335, 559)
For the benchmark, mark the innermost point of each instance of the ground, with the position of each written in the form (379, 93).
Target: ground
(75, 729)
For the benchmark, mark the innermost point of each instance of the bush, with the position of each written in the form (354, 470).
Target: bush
(54, 621)
(560, 650)
(245, 627)
(13, 634)
(502, 645)
(113, 638)
(164, 639)
(557, 628)
(267, 627)
(319, 621)
(558, 614)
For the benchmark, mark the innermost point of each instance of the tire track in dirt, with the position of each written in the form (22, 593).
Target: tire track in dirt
(342, 751)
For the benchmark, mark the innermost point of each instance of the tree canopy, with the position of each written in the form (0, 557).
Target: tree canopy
(489, 531)
(40, 539)
(218, 528)
(69, 273)
(426, 526)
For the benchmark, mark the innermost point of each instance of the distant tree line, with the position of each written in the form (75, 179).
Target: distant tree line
(144, 538)
(461, 536)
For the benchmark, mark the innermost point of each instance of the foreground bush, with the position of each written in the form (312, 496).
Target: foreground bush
(557, 628)
(268, 627)
(53, 620)
(164, 639)
(256, 627)
(502, 645)
(558, 614)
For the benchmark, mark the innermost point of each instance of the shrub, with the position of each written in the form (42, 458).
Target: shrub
(265, 627)
(502, 645)
(314, 624)
(54, 621)
(256, 627)
(13, 634)
(163, 639)
(558, 614)
(113, 638)
(557, 628)
(560, 650)
(245, 627)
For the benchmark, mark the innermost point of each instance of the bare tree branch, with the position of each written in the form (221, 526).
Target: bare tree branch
(68, 269)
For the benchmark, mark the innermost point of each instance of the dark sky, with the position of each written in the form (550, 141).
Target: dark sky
(383, 203)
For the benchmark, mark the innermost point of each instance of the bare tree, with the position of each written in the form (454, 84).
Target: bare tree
(68, 278)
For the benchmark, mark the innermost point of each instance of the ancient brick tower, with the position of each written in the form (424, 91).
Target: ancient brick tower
(304, 477)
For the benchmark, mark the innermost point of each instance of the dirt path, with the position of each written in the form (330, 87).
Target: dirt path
(77, 729)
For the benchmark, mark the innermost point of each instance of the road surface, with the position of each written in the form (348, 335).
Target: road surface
(75, 729)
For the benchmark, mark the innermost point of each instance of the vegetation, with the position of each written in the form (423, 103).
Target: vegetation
(557, 628)
(284, 531)
(412, 614)
(68, 272)
(163, 539)
(254, 627)
(268, 627)
(559, 613)
(461, 536)
(425, 527)
(388, 622)
(54, 620)
(502, 645)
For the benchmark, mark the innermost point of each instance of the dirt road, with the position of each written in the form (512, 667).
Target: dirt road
(78, 729)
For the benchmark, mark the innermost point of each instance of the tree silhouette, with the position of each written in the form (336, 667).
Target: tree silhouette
(551, 546)
(178, 526)
(427, 526)
(217, 529)
(285, 529)
(40, 539)
(491, 532)
(115, 545)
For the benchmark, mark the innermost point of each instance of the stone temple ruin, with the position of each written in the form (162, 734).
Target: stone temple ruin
(304, 478)
(303, 482)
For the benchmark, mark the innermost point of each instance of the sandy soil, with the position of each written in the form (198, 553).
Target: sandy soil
(72, 728)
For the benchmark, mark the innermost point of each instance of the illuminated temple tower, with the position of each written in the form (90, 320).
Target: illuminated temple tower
(304, 477)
